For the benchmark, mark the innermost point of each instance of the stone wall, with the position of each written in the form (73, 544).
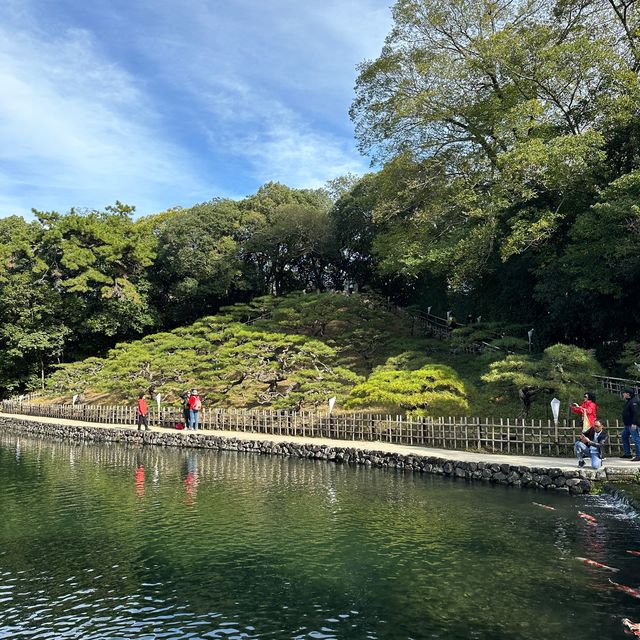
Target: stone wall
(573, 481)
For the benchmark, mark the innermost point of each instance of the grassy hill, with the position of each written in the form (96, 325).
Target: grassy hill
(296, 352)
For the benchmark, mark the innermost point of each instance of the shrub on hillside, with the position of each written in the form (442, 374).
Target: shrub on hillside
(231, 364)
(407, 383)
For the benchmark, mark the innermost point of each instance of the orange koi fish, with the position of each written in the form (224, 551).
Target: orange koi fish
(634, 593)
(631, 626)
(634, 553)
(544, 506)
(588, 519)
(597, 565)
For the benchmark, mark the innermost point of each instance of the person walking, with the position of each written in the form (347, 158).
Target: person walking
(195, 406)
(588, 410)
(143, 413)
(591, 443)
(631, 422)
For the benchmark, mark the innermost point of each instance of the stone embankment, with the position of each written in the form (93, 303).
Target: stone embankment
(573, 481)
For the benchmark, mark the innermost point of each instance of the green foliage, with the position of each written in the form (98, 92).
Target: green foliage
(630, 359)
(564, 370)
(501, 124)
(199, 263)
(405, 383)
(294, 239)
(231, 364)
(497, 335)
(280, 352)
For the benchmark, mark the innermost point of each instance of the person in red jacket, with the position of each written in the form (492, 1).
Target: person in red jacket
(195, 406)
(588, 408)
(143, 413)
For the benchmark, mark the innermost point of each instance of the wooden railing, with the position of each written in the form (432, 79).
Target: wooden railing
(616, 385)
(510, 436)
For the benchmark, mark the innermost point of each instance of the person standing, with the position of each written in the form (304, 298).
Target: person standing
(588, 410)
(591, 442)
(195, 406)
(143, 413)
(631, 422)
(186, 409)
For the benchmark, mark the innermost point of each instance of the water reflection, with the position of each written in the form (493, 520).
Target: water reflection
(204, 545)
(190, 475)
(139, 477)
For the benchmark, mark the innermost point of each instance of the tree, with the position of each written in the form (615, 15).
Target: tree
(503, 111)
(406, 383)
(562, 369)
(199, 265)
(32, 327)
(293, 243)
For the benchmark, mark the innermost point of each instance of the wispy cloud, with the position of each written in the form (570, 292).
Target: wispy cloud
(76, 130)
(164, 102)
(273, 81)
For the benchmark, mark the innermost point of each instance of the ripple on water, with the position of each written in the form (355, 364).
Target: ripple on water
(117, 542)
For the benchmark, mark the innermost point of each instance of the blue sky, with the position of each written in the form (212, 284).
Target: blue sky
(162, 103)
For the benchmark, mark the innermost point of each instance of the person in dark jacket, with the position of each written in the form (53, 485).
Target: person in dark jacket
(631, 422)
(185, 408)
(591, 442)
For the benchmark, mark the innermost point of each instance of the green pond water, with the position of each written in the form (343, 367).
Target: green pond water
(101, 542)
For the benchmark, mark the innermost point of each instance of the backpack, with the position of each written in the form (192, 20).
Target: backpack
(197, 405)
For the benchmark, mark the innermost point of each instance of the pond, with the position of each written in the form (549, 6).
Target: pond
(102, 542)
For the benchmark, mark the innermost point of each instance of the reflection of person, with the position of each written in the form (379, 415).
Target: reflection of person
(631, 422)
(143, 413)
(591, 442)
(588, 408)
(140, 479)
(195, 406)
(191, 478)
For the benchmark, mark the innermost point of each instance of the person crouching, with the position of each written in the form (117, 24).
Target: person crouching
(591, 442)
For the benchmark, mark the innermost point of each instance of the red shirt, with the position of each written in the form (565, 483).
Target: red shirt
(142, 407)
(591, 409)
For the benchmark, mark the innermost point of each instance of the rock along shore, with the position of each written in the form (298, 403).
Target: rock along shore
(573, 481)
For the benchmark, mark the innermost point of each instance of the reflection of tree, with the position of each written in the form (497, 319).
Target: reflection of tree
(268, 532)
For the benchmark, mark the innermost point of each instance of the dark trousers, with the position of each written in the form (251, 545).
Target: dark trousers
(143, 420)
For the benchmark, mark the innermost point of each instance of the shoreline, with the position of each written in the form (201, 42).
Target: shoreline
(555, 474)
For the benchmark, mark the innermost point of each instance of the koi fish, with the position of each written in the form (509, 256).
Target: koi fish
(597, 565)
(634, 593)
(634, 553)
(588, 519)
(630, 626)
(544, 506)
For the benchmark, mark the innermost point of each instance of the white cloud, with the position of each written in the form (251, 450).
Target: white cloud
(275, 88)
(278, 143)
(241, 92)
(74, 129)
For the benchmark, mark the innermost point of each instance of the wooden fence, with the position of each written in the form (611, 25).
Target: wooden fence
(510, 436)
(616, 385)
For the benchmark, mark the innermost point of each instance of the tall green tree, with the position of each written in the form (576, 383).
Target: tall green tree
(294, 242)
(497, 104)
(199, 265)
